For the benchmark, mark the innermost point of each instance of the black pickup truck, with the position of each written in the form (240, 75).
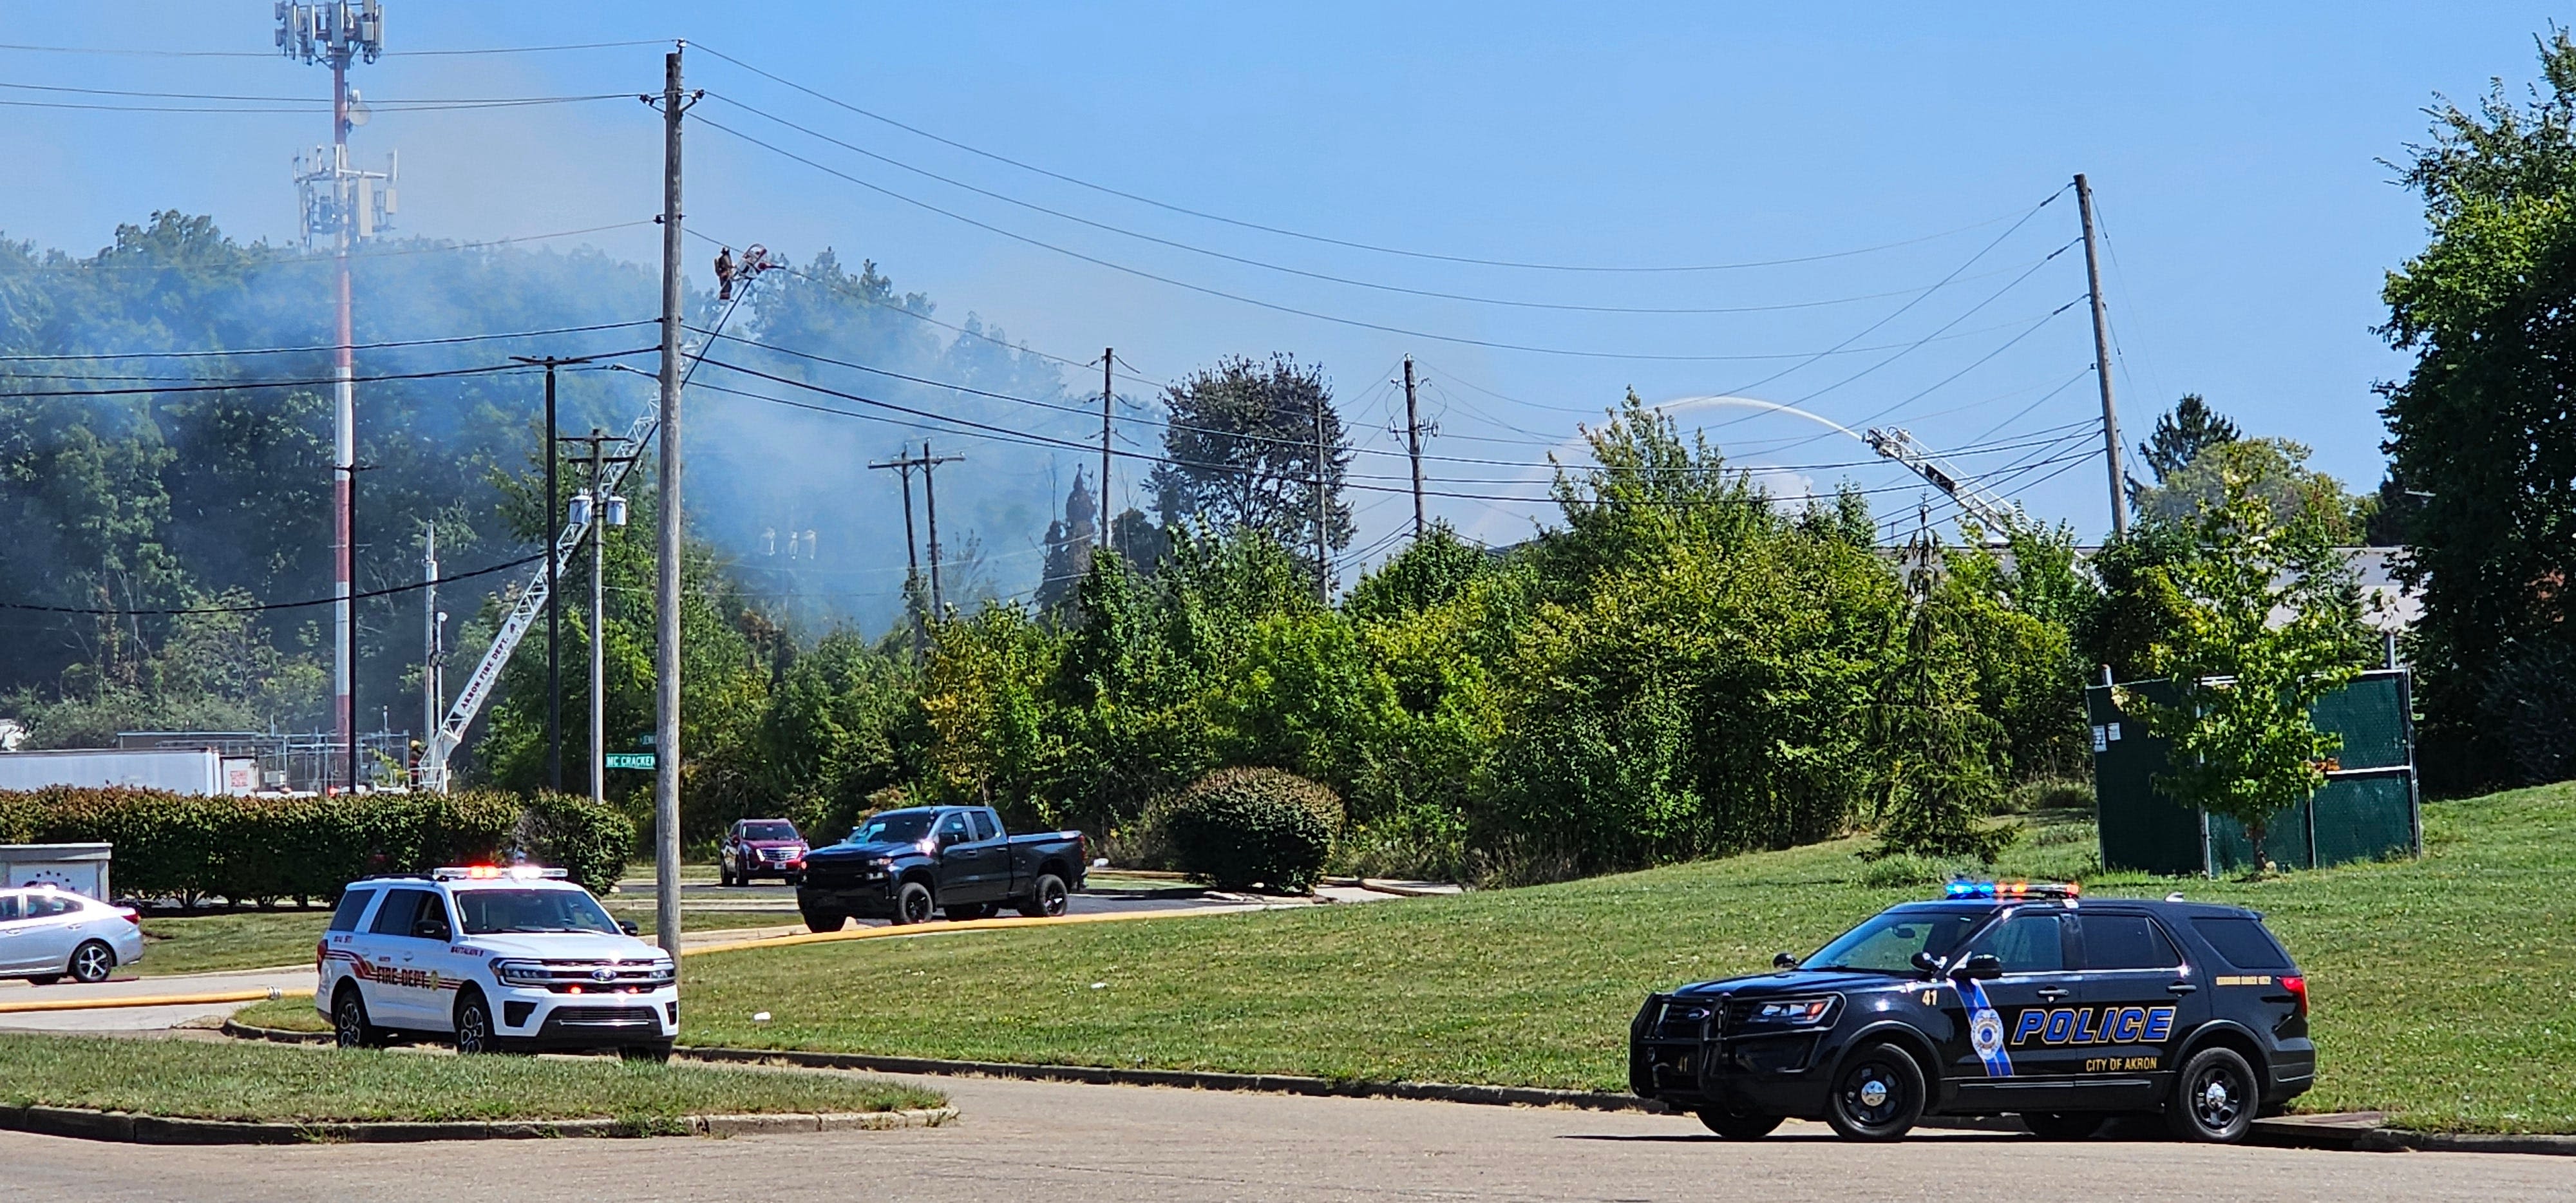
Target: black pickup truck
(906, 864)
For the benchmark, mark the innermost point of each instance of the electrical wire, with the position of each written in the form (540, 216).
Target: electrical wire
(1272, 305)
(1316, 275)
(307, 382)
(1288, 233)
(370, 104)
(257, 607)
(411, 247)
(300, 109)
(129, 52)
(374, 346)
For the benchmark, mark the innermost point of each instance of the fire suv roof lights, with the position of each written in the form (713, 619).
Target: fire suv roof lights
(497, 873)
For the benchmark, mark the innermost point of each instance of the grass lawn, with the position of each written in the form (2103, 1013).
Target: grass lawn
(267, 939)
(292, 1013)
(269, 1082)
(2444, 989)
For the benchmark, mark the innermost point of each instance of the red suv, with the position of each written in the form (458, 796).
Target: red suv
(761, 848)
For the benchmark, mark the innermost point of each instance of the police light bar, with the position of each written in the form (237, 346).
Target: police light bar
(2009, 890)
(497, 873)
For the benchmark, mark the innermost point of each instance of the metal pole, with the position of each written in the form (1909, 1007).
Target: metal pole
(666, 586)
(2102, 360)
(598, 623)
(1413, 442)
(1323, 568)
(344, 430)
(554, 599)
(428, 636)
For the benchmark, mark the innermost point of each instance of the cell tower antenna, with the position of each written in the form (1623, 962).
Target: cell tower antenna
(341, 206)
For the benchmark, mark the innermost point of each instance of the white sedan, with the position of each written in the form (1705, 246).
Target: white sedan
(48, 934)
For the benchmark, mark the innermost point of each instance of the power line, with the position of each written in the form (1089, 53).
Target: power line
(1288, 233)
(126, 52)
(306, 109)
(256, 607)
(1316, 275)
(230, 386)
(395, 251)
(306, 100)
(375, 346)
(1270, 305)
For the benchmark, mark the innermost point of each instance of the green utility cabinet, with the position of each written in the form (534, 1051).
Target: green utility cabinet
(2370, 807)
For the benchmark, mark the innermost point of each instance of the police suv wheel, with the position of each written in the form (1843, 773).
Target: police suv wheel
(1877, 1095)
(92, 961)
(2214, 1098)
(913, 903)
(349, 1026)
(2064, 1125)
(1738, 1125)
(474, 1027)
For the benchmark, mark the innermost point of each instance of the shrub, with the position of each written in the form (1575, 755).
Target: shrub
(262, 849)
(2050, 793)
(1906, 869)
(1238, 827)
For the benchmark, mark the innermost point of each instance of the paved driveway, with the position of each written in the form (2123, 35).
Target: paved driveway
(1077, 1144)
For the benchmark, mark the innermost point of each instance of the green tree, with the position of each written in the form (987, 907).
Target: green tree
(2181, 434)
(1248, 445)
(2481, 421)
(1936, 750)
(2269, 622)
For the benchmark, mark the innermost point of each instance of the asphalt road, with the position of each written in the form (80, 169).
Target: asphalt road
(1077, 1144)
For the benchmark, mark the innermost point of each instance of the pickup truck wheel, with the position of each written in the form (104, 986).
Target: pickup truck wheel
(1047, 899)
(1738, 1125)
(913, 903)
(823, 921)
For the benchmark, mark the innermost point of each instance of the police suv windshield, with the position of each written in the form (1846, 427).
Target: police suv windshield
(901, 827)
(496, 912)
(1887, 942)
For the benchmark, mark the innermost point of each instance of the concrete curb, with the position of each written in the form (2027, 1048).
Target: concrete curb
(84, 1124)
(2297, 1132)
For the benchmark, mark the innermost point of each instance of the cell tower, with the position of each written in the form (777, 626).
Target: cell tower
(341, 205)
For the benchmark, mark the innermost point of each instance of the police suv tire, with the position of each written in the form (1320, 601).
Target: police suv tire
(823, 921)
(349, 1025)
(92, 962)
(2064, 1125)
(1047, 898)
(2214, 1098)
(474, 1033)
(913, 903)
(1877, 1094)
(1738, 1125)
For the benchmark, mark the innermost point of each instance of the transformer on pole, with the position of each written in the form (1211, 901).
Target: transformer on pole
(340, 205)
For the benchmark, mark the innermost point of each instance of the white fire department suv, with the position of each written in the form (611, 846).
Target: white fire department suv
(498, 959)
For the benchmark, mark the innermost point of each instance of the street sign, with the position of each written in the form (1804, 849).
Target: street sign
(630, 760)
(645, 740)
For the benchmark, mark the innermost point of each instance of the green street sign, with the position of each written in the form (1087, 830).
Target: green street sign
(630, 760)
(645, 740)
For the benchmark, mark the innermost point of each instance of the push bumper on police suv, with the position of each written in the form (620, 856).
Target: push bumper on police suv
(545, 1003)
(1694, 1051)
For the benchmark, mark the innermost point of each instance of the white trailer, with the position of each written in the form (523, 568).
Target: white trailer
(178, 770)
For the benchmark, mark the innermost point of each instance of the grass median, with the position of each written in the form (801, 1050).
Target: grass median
(2444, 989)
(197, 1080)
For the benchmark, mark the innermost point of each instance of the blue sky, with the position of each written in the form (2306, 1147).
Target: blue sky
(2234, 149)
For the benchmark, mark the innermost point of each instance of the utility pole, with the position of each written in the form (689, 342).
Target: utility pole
(429, 692)
(903, 466)
(595, 510)
(554, 582)
(345, 205)
(1413, 443)
(930, 498)
(2102, 359)
(1323, 567)
(1108, 360)
(666, 585)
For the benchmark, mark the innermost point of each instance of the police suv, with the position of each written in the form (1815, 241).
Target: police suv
(494, 958)
(1998, 998)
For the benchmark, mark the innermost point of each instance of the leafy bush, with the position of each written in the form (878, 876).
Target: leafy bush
(1238, 827)
(263, 849)
(2050, 793)
(1905, 869)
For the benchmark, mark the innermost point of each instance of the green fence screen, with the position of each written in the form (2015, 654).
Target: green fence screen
(2367, 810)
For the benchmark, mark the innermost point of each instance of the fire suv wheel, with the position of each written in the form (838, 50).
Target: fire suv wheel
(349, 1026)
(1877, 1094)
(92, 961)
(474, 1032)
(913, 903)
(1047, 899)
(2214, 1098)
(1738, 1125)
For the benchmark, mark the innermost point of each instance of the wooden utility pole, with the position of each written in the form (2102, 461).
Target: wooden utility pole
(1323, 567)
(1413, 442)
(666, 584)
(2102, 360)
(904, 464)
(1108, 360)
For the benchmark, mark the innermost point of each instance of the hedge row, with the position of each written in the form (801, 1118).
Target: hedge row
(259, 849)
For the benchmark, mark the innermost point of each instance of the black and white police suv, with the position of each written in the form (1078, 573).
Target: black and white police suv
(496, 959)
(1998, 998)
